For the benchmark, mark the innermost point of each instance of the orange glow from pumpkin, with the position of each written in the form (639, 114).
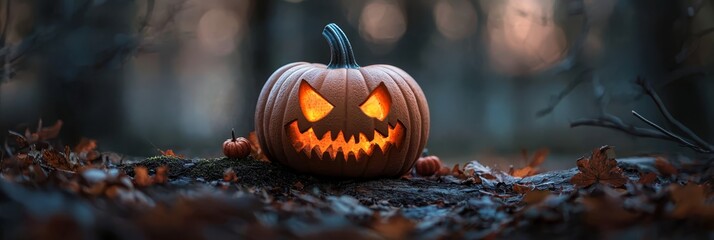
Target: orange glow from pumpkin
(378, 103)
(357, 146)
(314, 107)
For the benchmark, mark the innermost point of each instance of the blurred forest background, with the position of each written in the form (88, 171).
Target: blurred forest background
(499, 76)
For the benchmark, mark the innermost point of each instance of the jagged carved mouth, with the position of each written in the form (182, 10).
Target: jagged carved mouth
(358, 146)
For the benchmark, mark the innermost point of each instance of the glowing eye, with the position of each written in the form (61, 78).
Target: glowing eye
(314, 107)
(378, 103)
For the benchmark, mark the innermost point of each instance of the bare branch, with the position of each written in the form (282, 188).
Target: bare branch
(619, 125)
(672, 136)
(147, 17)
(656, 99)
(682, 72)
(613, 122)
(556, 99)
(6, 24)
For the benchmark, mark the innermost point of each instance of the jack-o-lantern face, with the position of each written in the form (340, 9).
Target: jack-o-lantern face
(315, 107)
(341, 119)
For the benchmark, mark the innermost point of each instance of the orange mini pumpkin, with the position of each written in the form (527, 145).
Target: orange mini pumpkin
(236, 147)
(428, 166)
(342, 119)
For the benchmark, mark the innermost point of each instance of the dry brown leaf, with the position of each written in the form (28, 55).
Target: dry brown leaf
(229, 175)
(298, 185)
(690, 200)
(55, 159)
(51, 131)
(532, 167)
(665, 168)
(170, 153)
(456, 172)
(606, 211)
(86, 150)
(522, 189)
(255, 151)
(394, 227)
(443, 171)
(162, 175)
(112, 192)
(95, 190)
(43, 133)
(20, 140)
(141, 176)
(535, 196)
(647, 178)
(85, 145)
(601, 167)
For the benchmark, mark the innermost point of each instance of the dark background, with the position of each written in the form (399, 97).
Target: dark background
(169, 74)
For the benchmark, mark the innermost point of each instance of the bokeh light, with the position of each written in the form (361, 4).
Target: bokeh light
(524, 37)
(217, 30)
(382, 22)
(455, 19)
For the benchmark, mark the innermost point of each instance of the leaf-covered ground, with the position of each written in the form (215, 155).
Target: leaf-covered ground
(48, 192)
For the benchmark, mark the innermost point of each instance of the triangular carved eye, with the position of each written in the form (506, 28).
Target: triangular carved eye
(314, 106)
(378, 103)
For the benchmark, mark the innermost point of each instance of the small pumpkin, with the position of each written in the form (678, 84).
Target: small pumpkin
(428, 166)
(236, 147)
(341, 119)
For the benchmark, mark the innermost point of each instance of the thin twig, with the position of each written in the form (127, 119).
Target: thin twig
(658, 101)
(673, 136)
(6, 24)
(50, 168)
(613, 122)
(682, 72)
(555, 100)
(618, 125)
(570, 60)
(149, 12)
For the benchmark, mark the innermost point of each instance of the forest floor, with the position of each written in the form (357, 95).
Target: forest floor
(50, 192)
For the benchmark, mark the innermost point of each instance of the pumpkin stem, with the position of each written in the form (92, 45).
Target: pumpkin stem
(233, 134)
(341, 50)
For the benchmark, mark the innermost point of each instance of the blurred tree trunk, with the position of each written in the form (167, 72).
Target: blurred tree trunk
(81, 46)
(256, 62)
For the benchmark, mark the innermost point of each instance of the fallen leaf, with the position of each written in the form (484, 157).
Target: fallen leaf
(535, 196)
(43, 133)
(606, 211)
(20, 140)
(456, 172)
(394, 227)
(647, 178)
(690, 200)
(51, 131)
(255, 151)
(229, 175)
(170, 153)
(86, 150)
(475, 168)
(665, 168)
(600, 167)
(443, 171)
(141, 176)
(55, 159)
(162, 175)
(522, 189)
(85, 145)
(298, 185)
(532, 167)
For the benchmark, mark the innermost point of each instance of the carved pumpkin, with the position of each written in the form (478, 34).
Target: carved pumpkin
(342, 120)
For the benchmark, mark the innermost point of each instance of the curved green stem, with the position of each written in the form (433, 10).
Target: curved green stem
(341, 50)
